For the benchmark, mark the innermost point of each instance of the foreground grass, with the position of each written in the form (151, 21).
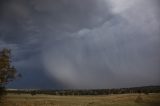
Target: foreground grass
(110, 100)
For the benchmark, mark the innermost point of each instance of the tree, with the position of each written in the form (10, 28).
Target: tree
(7, 72)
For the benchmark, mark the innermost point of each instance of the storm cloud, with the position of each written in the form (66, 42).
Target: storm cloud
(75, 44)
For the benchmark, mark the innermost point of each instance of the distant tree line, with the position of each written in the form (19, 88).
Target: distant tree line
(146, 90)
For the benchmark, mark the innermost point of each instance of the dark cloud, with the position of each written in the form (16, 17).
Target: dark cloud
(82, 44)
(73, 14)
(25, 24)
(43, 16)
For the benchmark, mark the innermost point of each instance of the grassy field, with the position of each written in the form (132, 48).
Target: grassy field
(110, 100)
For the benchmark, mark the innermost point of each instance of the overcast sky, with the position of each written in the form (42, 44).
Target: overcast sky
(82, 44)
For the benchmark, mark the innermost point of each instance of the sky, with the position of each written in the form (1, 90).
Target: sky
(75, 44)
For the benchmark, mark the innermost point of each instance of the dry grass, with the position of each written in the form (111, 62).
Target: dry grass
(110, 100)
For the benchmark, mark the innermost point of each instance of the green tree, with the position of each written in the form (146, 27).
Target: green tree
(7, 72)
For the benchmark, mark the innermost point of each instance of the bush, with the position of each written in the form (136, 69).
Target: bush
(139, 99)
